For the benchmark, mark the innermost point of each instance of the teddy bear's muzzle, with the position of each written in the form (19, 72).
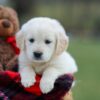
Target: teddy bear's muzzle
(6, 27)
(6, 24)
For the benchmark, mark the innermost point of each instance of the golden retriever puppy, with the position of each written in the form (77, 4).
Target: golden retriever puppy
(42, 42)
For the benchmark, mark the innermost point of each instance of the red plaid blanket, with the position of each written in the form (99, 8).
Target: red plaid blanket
(11, 88)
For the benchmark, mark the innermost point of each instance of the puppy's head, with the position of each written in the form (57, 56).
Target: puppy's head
(41, 39)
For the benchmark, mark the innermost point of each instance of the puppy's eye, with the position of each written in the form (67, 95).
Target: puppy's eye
(31, 40)
(48, 41)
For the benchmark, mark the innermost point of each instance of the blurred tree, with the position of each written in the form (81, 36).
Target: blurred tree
(23, 7)
(96, 30)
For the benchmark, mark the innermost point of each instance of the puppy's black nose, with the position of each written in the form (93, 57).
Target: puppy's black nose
(37, 54)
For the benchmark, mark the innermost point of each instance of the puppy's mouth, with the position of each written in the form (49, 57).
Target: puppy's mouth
(38, 60)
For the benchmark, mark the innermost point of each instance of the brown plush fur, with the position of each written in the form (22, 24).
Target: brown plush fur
(9, 25)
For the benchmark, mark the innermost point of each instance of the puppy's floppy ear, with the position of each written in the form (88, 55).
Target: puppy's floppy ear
(20, 40)
(62, 42)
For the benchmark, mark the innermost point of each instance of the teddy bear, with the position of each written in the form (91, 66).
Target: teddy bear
(9, 25)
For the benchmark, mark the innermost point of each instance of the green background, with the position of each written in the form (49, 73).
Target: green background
(87, 55)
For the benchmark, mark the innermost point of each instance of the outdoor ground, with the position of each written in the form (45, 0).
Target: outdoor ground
(87, 55)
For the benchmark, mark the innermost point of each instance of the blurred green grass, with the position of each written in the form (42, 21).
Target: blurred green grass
(87, 55)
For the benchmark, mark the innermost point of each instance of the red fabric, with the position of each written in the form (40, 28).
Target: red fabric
(33, 89)
(15, 91)
(11, 40)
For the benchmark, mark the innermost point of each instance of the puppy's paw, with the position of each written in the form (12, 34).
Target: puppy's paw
(28, 81)
(46, 85)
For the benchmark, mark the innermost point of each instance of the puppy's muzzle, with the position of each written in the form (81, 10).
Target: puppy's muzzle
(37, 55)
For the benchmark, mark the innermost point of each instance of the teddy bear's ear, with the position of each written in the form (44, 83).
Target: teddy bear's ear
(20, 40)
(13, 16)
(62, 42)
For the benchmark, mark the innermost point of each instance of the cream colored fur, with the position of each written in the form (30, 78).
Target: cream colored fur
(55, 60)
